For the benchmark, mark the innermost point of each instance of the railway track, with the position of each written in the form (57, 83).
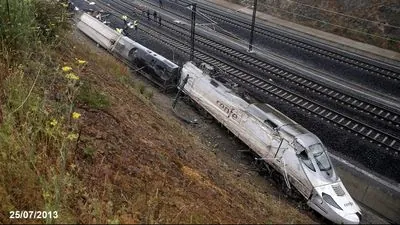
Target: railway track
(377, 112)
(320, 49)
(389, 142)
(357, 105)
(391, 117)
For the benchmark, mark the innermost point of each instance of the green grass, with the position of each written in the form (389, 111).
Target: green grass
(34, 143)
(29, 24)
(139, 86)
(92, 98)
(89, 151)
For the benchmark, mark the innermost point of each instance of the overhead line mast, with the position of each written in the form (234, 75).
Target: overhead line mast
(252, 26)
(192, 32)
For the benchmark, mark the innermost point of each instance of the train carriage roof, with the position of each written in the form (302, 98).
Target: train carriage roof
(276, 119)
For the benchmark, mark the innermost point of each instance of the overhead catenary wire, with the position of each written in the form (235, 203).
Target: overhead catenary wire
(321, 21)
(333, 24)
(346, 15)
(212, 22)
(240, 40)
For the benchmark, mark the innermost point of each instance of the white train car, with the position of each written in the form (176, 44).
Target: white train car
(285, 145)
(282, 143)
(160, 70)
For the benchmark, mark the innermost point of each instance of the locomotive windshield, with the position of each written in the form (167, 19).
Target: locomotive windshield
(302, 154)
(317, 150)
(307, 161)
(314, 156)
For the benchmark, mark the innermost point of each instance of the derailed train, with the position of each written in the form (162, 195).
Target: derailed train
(297, 154)
(162, 71)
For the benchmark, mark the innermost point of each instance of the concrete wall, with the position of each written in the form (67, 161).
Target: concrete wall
(381, 197)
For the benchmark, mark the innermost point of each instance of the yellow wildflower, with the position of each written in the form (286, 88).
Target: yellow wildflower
(72, 136)
(76, 115)
(53, 122)
(66, 68)
(72, 76)
(81, 61)
(46, 195)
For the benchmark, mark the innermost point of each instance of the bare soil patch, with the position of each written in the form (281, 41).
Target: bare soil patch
(148, 167)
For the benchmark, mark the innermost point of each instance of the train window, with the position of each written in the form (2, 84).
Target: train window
(132, 52)
(307, 161)
(161, 69)
(270, 123)
(214, 83)
(320, 157)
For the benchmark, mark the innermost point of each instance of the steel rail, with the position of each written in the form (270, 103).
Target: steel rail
(353, 103)
(314, 47)
(390, 142)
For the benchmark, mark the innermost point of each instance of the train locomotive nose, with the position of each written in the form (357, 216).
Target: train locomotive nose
(351, 219)
(340, 208)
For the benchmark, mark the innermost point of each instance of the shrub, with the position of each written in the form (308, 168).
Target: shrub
(93, 98)
(28, 24)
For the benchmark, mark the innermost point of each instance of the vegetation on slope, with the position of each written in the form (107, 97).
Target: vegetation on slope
(77, 136)
(373, 22)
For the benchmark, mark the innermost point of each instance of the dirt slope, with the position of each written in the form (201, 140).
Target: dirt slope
(148, 169)
(90, 145)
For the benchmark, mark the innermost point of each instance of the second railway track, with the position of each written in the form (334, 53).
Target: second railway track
(389, 142)
(375, 111)
(369, 65)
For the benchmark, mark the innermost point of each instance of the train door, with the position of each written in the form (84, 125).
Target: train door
(296, 173)
(132, 54)
(161, 71)
(256, 137)
(279, 146)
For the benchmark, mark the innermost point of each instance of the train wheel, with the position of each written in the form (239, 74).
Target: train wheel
(268, 169)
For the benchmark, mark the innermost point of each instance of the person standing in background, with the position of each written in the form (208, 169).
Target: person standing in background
(155, 16)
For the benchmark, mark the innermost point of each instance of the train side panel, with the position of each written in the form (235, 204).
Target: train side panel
(230, 110)
(99, 32)
(287, 146)
(160, 70)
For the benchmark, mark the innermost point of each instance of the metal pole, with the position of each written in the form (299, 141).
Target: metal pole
(192, 31)
(252, 26)
(8, 11)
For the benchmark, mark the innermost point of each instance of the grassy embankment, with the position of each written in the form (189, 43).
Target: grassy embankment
(77, 136)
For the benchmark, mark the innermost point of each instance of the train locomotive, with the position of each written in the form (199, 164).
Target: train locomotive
(290, 149)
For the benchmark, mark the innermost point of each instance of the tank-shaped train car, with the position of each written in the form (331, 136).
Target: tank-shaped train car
(289, 148)
(283, 144)
(160, 70)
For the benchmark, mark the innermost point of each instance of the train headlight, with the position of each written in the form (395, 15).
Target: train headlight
(327, 198)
